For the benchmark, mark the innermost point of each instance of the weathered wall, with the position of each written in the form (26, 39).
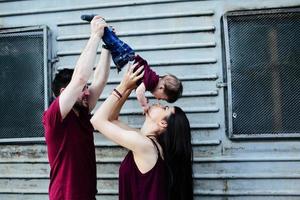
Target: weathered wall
(181, 37)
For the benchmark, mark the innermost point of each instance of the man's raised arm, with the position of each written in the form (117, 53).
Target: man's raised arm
(100, 78)
(83, 68)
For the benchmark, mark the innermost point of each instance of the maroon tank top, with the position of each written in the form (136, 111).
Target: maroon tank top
(134, 185)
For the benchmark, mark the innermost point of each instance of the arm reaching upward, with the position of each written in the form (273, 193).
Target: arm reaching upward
(140, 94)
(109, 111)
(83, 68)
(100, 78)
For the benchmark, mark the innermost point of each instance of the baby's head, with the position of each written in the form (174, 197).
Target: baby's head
(169, 88)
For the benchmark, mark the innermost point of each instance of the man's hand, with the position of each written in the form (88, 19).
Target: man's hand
(97, 26)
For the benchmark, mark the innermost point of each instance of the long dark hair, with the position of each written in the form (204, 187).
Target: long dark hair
(178, 156)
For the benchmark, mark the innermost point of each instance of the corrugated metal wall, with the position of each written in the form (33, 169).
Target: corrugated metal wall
(180, 37)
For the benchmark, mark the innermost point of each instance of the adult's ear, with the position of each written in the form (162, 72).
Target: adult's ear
(61, 90)
(163, 123)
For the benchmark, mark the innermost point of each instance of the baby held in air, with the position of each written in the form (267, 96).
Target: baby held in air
(167, 87)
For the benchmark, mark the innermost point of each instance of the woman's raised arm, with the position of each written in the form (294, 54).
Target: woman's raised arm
(109, 111)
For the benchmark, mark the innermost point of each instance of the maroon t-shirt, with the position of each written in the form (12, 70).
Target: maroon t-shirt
(134, 185)
(150, 78)
(71, 154)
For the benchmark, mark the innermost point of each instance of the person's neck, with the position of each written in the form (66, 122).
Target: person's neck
(148, 131)
(160, 82)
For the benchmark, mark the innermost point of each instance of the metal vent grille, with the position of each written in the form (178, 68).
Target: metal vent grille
(264, 73)
(22, 91)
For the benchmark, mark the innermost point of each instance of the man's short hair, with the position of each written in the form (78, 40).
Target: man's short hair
(61, 80)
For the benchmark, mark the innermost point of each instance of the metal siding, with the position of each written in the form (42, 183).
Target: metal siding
(181, 37)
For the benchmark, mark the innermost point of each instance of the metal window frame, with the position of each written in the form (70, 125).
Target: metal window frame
(47, 73)
(227, 72)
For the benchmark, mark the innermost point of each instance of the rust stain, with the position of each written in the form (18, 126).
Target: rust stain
(225, 189)
(10, 152)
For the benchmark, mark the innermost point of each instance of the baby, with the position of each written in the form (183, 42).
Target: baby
(167, 88)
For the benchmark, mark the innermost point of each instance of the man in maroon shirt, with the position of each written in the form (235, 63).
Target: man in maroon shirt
(68, 131)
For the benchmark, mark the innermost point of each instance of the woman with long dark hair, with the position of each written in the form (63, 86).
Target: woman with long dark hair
(177, 149)
(159, 163)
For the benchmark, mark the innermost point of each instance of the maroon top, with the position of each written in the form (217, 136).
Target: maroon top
(134, 185)
(150, 78)
(71, 154)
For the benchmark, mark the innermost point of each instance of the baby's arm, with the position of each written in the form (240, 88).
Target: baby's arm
(140, 94)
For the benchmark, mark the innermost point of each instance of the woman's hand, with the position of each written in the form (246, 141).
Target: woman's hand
(130, 78)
